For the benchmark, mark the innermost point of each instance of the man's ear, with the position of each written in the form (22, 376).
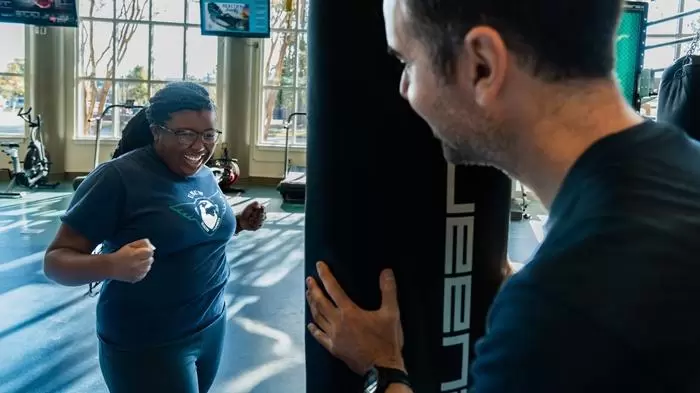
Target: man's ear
(487, 59)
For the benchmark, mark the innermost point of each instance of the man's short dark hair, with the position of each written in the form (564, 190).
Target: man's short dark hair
(557, 40)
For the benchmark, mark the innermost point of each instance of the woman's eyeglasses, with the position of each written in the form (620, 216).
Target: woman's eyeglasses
(189, 137)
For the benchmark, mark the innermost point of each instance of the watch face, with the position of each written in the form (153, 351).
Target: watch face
(371, 381)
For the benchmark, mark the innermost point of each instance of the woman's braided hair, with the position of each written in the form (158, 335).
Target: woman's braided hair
(174, 97)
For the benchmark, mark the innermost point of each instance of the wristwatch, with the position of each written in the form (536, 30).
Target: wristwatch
(378, 379)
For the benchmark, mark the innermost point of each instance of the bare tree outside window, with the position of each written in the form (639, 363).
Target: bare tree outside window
(284, 71)
(129, 49)
(96, 55)
(12, 79)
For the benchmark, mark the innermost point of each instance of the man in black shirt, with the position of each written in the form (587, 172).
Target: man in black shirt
(608, 302)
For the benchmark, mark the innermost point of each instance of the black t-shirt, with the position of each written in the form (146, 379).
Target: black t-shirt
(611, 300)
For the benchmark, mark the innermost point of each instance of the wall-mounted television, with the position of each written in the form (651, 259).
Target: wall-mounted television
(236, 18)
(39, 12)
(629, 51)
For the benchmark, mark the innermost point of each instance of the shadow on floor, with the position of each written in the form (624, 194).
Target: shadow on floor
(47, 332)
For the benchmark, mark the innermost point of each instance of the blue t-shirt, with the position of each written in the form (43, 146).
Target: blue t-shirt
(609, 302)
(189, 222)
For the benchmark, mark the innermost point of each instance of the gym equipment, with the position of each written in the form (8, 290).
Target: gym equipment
(34, 170)
(12, 150)
(293, 186)
(629, 49)
(679, 92)
(226, 171)
(379, 194)
(129, 104)
(520, 203)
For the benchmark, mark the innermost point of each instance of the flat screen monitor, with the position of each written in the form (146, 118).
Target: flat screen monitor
(39, 12)
(236, 18)
(631, 39)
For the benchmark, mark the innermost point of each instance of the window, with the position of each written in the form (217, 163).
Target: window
(691, 23)
(284, 71)
(128, 50)
(662, 57)
(676, 28)
(659, 58)
(659, 9)
(12, 83)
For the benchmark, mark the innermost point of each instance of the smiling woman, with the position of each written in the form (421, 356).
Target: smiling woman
(183, 130)
(180, 115)
(155, 194)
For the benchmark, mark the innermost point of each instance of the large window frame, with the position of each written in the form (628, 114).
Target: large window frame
(657, 59)
(148, 21)
(674, 29)
(24, 76)
(298, 32)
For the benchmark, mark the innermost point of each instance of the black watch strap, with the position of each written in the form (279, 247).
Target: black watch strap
(379, 378)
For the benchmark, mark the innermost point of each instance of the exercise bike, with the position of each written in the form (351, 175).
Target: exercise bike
(35, 169)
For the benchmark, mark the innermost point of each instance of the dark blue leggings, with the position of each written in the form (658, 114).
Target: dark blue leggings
(186, 366)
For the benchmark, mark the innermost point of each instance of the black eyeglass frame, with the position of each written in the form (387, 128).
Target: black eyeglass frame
(189, 137)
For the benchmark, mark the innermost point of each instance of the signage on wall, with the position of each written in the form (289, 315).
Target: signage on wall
(236, 18)
(39, 12)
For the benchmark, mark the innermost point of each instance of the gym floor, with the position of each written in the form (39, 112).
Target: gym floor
(47, 332)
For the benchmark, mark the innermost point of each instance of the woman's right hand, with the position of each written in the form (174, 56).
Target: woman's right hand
(132, 262)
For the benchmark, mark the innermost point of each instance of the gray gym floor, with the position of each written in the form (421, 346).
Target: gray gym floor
(47, 332)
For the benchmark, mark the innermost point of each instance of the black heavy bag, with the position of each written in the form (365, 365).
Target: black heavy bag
(679, 94)
(379, 194)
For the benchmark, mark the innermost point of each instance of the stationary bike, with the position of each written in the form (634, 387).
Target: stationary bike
(34, 172)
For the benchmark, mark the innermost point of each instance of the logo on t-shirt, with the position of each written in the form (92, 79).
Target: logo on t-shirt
(206, 211)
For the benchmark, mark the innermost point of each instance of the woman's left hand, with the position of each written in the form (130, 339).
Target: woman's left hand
(252, 217)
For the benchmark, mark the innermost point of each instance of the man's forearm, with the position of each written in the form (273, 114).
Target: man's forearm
(398, 388)
(72, 268)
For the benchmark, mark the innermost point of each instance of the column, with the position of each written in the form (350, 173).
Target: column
(46, 83)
